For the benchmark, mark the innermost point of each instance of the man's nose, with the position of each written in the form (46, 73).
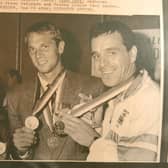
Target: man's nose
(38, 53)
(101, 62)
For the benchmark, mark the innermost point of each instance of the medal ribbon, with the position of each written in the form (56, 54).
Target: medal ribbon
(52, 106)
(41, 103)
(115, 122)
(44, 99)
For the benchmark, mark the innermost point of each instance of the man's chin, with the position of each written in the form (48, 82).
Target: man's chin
(109, 83)
(43, 70)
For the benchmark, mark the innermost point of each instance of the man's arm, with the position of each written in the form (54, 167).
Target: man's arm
(136, 154)
(79, 130)
(19, 138)
(12, 109)
(143, 147)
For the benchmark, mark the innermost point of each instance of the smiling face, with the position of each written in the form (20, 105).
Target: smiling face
(113, 62)
(44, 53)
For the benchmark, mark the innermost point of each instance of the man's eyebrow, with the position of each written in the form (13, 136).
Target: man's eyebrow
(112, 48)
(93, 52)
(109, 49)
(29, 46)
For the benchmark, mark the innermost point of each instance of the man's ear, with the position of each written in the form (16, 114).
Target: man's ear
(61, 47)
(133, 53)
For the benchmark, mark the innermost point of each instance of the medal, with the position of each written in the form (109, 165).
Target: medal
(59, 128)
(2, 148)
(32, 122)
(52, 141)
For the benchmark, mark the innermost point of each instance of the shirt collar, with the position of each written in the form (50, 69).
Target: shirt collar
(44, 83)
(132, 89)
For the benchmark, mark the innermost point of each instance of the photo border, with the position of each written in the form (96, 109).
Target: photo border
(164, 139)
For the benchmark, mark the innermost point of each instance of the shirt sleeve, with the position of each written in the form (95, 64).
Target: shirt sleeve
(141, 143)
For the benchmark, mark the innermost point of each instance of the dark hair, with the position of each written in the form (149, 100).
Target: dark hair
(113, 26)
(15, 73)
(70, 58)
(130, 39)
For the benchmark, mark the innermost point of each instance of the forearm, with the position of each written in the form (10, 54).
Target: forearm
(136, 154)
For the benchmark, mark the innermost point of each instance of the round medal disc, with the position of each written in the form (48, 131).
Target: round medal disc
(59, 128)
(2, 148)
(32, 122)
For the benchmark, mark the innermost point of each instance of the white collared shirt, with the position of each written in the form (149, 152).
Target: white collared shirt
(131, 124)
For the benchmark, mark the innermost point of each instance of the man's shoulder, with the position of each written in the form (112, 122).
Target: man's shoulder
(76, 83)
(150, 87)
(148, 96)
(84, 81)
(81, 76)
(21, 89)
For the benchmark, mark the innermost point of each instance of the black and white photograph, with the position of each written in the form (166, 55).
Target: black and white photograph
(86, 89)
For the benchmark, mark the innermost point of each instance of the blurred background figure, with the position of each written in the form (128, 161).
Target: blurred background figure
(13, 78)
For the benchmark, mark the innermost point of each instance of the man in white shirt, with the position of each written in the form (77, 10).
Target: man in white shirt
(131, 127)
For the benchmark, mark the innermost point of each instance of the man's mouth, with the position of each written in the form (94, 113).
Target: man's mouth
(107, 72)
(42, 62)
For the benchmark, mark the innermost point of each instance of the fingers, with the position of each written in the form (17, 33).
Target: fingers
(73, 124)
(69, 120)
(80, 131)
(25, 132)
(23, 138)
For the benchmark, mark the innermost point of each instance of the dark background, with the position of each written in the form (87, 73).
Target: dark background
(13, 53)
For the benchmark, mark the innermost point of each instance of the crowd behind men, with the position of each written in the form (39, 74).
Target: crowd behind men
(126, 129)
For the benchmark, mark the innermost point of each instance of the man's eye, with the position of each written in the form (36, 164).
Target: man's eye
(95, 56)
(113, 52)
(44, 47)
(31, 50)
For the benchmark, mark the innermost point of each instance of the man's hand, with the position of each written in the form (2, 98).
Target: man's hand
(79, 130)
(23, 139)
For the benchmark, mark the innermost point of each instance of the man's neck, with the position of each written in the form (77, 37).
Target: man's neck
(132, 73)
(49, 77)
